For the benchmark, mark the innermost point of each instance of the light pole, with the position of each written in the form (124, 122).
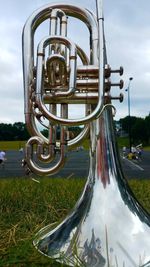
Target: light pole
(129, 126)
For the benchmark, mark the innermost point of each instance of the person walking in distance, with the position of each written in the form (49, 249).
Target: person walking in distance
(124, 151)
(2, 157)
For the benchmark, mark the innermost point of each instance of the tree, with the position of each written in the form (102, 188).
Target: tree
(11, 132)
(6, 132)
(140, 128)
(126, 121)
(147, 122)
(138, 131)
(73, 130)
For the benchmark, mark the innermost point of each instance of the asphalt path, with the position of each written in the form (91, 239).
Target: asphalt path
(139, 169)
(77, 165)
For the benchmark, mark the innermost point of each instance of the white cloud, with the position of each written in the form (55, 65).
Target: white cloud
(128, 44)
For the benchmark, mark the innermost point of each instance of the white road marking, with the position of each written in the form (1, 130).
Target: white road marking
(134, 164)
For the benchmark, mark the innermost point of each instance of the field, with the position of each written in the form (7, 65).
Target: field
(11, 145)
(27, 206)
(16, 145)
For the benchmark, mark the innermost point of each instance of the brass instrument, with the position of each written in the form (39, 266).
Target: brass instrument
(108, 226)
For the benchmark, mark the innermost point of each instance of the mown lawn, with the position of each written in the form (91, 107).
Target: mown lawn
(27, 206)
(16, 145)
(11, 145)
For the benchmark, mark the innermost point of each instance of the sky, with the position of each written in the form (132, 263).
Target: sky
(127, 34)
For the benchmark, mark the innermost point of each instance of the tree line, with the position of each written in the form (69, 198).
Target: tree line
(13, 132)
(18, 131)
(139, 130)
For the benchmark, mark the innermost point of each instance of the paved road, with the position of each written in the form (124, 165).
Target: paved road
(77, 166)
(139, 169)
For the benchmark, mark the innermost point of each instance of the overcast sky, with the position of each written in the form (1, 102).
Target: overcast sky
(127, 33)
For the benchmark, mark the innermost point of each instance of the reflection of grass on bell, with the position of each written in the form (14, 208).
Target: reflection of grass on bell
(70, 257)
(73, 261)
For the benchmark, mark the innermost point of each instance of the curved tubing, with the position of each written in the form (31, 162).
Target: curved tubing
(46, 158)
(40, 55)
(38, 139)
(28, 35)
(34, 132)
(34, 167)
(40, 65)
(32, 127)
(79, 137)
(51, 149)
(82, 55)
(28, 55)
(40, 146)
(60, 60)
(28, 43)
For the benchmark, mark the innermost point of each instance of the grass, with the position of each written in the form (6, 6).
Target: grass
(123, 141)
(147, 148)
(16, 145)
(26, 207)
(11, 145)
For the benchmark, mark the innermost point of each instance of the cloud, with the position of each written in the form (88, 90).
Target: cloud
(127, 40)
(128, 44)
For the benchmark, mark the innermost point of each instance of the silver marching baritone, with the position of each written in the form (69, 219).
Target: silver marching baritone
(107, 227)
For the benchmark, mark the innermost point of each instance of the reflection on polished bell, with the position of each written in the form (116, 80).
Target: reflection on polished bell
(108, 226)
